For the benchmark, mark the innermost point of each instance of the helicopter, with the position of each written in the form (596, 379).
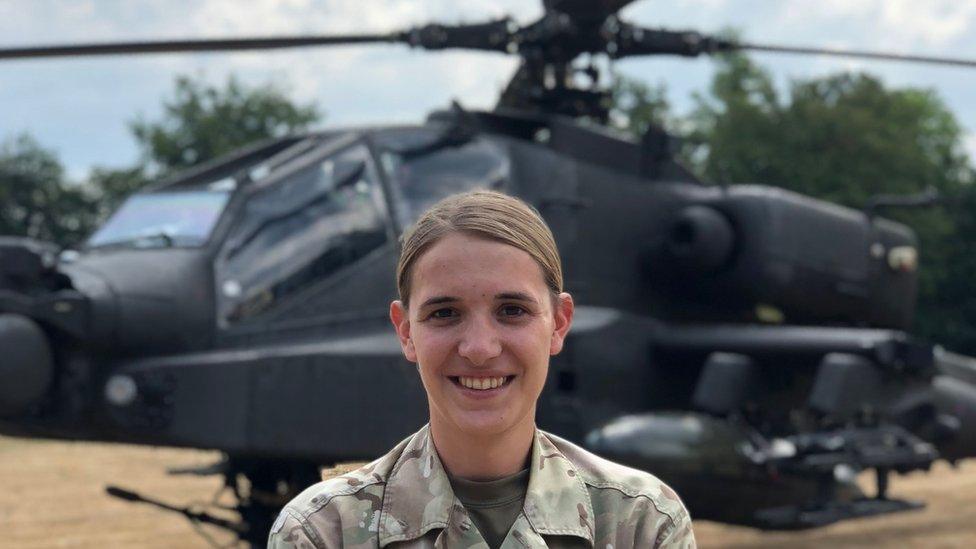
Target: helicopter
(748, 345)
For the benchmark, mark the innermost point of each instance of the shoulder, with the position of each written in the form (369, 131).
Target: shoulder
(609, 478)
(333, 512)
(326, 513)
(338, 492)
(628, 496)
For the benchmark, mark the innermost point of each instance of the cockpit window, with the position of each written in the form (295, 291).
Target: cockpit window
(171, 219)
(299, 231)
(423, 173)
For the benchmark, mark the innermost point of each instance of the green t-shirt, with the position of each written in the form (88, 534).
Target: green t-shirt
(493, 505)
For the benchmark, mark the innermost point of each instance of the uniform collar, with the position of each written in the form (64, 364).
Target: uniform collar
(557, 502)
(418, 495)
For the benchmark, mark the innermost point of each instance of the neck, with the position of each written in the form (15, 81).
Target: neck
(485, 457)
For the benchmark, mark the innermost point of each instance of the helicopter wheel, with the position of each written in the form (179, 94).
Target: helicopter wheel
(262, 488)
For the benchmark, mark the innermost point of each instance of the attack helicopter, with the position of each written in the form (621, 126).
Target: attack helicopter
(747, 344)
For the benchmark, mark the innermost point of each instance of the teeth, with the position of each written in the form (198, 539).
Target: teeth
(481, 383)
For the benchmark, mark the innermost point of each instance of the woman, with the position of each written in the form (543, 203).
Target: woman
(481, 310)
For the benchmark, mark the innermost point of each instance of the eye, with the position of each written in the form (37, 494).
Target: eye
(441, 314)
(513, 311)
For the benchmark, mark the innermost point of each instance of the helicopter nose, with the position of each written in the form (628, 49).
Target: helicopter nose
(26, 364)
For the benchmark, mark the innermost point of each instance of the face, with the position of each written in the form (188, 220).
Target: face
(481, 326)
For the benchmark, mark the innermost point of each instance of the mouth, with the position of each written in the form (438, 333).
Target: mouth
(482, 384)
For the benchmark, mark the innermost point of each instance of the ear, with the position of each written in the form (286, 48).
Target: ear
(562, 316)
(401, 323)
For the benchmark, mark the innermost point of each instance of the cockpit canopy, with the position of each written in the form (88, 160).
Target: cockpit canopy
(337, 202)
(300, 215)
(181, 218)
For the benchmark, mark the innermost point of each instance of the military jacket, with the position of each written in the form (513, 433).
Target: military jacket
(404, 500)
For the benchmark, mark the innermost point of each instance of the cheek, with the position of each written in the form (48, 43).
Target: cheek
(432, 347)
(533, 351)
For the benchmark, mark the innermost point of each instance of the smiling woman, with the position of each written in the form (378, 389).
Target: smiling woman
(481, 310)
(481, 313)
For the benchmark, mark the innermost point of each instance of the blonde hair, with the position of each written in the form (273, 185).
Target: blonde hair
(487, 214)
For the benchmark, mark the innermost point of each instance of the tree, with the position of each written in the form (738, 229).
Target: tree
(843, 138)
(955, 325)
(35, 200)
(202, 122)
(637, 106)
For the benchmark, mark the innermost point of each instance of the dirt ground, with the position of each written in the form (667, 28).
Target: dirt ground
(52, 495)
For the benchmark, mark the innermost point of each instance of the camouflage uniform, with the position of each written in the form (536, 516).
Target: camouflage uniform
(404, 499)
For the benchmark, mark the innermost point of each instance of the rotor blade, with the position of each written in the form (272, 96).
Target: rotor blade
(206, 45)
(631, 40)
(957, 61)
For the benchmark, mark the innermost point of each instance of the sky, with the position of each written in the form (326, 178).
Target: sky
(82, 108)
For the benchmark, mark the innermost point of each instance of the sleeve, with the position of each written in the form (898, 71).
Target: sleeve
(677, 534)
(290, 532)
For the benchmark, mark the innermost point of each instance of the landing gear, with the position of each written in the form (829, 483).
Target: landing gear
(260, 488)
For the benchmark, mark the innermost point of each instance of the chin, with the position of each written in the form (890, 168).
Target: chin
(485, 424)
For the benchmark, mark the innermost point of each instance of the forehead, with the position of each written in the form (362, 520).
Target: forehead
(460, 264)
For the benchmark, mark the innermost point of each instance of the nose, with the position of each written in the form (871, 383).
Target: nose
(479, 341)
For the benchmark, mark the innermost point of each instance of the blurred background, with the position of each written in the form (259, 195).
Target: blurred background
(78, 135)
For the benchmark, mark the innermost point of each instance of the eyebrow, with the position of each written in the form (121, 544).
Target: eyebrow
(518, 296)
(437, 300)
(441, 299)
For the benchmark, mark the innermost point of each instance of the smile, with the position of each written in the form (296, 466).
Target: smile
(482, 383)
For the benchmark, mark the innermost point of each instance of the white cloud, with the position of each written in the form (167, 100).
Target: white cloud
(704, 4)
(931, 23)
(899, 25)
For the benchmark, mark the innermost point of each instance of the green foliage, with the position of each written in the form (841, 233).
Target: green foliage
(35, 201)
(202, 122)
(947, 308)
(843, 138)
(637, 106)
